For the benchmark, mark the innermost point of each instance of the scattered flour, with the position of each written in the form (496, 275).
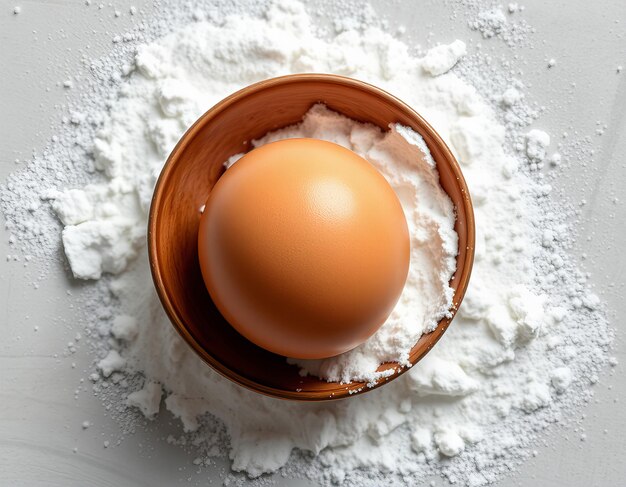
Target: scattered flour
(111, 363)
(490, 22)
(442, 59)
(537, 142)
(525, 345)
(511, 96)
(147, 400)
(561, 379)
(494, 23)
(124, 327)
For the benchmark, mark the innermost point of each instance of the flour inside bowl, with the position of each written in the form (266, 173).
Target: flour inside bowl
(402, 157)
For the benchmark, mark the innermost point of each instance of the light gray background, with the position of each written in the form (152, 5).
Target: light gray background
(40, 421)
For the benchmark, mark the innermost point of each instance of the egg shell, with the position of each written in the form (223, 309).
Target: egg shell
(304, 248)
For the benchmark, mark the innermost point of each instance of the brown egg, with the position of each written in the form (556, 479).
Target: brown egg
(304, 248)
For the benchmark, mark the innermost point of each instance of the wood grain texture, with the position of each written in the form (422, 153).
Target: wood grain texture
(196, 164)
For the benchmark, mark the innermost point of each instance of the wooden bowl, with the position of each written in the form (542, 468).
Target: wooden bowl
(195, 165)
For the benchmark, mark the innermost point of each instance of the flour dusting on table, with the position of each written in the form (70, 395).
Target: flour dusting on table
(521, 353)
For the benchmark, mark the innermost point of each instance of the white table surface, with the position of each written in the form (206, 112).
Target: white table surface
(40, 421)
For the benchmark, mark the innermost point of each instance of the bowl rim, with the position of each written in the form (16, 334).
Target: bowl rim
(424, 129)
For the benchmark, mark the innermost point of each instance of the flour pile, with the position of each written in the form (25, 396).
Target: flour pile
(526, 343)
(402, 157)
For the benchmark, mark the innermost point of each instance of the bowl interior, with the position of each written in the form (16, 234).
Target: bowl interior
(196, 164)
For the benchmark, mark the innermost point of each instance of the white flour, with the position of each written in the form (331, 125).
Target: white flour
(522, 351)
(402, 157)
